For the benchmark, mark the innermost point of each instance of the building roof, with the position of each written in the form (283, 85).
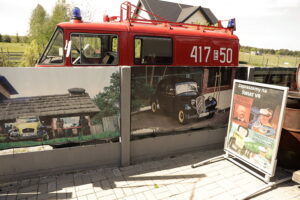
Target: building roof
(187, 12)
(175, 12)
(6, 84)
(211, 18)
(62, 105)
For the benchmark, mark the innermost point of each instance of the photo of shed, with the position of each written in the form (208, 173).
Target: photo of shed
(49, 109)
(58, 107)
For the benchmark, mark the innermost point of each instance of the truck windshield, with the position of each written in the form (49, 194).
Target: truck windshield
(54, 53)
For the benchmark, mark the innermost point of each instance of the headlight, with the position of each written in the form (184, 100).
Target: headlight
(187, 107)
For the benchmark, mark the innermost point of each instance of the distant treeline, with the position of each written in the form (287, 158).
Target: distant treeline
(14, 38)
(282, 52)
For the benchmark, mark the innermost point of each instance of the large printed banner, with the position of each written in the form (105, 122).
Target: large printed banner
(168, 100)
(255, 124)
(58, 106)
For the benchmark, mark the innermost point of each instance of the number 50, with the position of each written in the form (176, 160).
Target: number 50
(225, 55)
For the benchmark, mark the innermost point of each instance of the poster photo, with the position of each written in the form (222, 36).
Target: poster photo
(167, 100)
(58, 106)
(255, 123)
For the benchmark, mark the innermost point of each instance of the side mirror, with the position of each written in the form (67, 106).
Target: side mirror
(69, 49)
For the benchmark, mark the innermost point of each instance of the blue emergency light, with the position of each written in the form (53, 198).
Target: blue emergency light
(76, 13)
(232, 24)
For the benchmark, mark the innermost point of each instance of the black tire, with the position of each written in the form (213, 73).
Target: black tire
(154, 106)
(211, 114)
(46, 137)
(182, 117)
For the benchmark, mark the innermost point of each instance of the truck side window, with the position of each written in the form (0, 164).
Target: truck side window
(94, 49)
(153, 50)
(54, 53)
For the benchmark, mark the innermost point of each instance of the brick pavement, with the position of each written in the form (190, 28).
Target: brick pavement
(169, 178)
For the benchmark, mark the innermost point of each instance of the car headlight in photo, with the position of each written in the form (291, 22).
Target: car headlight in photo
(187, 107)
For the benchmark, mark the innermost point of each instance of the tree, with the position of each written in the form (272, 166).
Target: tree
(37, 25)
(31, 54)
(6, 38)
(17, 38)
(41, 28)
(0, 38)
(60, 14)
(108, 101)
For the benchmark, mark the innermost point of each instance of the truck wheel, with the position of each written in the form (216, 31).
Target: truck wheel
(182, 117)
(154, 106)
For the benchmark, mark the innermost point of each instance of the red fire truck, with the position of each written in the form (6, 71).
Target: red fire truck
(133, 41)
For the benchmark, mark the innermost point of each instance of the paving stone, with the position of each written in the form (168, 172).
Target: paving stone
(127, 191)
(47, 196)
(84, 187)
(82, 198)
(42, 188)
(167, 179)
(119, 193)
(91, 196)
(51, 186)
(132, 197)
(140, 196)
(149, 195)
(109, 197)
(85, 192)
(104, 193)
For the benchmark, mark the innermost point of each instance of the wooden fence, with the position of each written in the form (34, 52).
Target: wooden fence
(10, 58)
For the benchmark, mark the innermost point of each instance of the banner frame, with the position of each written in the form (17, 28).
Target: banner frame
(231, 153)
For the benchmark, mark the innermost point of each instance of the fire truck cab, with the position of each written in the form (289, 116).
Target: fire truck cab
(138, 42)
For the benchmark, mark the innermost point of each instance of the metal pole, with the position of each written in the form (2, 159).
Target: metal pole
(125, 115)
(208, 161)
(263, 188)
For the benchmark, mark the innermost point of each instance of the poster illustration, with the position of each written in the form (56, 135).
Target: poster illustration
(255, 123)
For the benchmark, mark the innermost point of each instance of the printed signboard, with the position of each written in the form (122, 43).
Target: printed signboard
(255, 123)
(65, 106)
(168, 100)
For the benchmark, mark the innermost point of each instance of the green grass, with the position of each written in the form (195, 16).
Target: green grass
(64, 140)
(13, 47)
(267, 60)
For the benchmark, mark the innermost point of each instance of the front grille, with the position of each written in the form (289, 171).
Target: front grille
(28, 130)
(200, 104)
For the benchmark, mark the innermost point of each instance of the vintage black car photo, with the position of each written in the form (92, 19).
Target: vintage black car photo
(180, 97)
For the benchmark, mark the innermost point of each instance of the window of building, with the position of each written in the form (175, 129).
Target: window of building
(216, 73)
(152, 50)
(94, 49)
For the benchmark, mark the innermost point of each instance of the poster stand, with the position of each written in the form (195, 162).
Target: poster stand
(254, 129)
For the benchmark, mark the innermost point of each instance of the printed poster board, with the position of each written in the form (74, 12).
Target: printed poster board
(58, 106)
(255, 124)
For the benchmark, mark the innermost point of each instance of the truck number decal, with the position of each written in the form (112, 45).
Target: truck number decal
(202, 53)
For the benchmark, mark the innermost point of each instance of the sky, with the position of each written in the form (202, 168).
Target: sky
(260, 23)
(32, 81)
